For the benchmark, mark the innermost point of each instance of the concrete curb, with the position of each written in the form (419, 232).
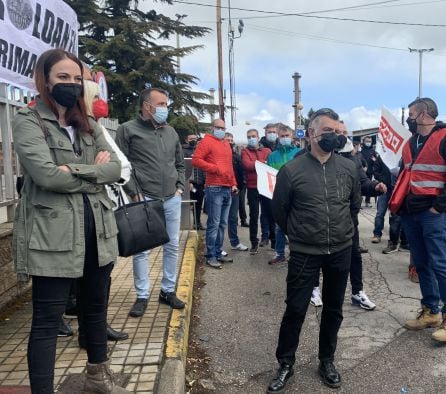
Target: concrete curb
(173, 371)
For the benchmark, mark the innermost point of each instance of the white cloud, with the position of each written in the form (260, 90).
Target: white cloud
(353, 79)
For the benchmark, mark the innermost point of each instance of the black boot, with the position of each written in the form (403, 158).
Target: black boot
(113, 335)
(278, 383)
(329, 375)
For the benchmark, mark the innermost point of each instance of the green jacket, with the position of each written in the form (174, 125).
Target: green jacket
(156, 157)
(282, 155)
(48, 235)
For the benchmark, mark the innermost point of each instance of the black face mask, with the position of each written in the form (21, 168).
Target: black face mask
(342, 140)
(193, 143)
(412, 123)
(328, 142)
(66, 94)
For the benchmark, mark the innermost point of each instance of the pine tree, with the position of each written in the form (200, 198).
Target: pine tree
(128, 45)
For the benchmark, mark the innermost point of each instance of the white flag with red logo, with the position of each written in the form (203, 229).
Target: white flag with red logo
(266, 179)
(392, 136)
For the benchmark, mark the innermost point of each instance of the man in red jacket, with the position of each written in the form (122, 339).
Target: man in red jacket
(214, 156)
(250, 154)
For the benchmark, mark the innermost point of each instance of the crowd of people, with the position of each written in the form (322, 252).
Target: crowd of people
(65, 230)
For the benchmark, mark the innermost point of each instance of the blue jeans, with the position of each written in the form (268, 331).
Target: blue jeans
(426, 233)
(280, 242)
(218, 201)
(381, 209)
(233, 220)
(172, 213)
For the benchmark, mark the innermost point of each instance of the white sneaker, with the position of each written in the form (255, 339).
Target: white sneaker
(363, 301)
(316, 299)
(241, 247)
(223, 253)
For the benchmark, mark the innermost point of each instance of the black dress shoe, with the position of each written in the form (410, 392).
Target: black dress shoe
(278, 383)
(139, 307)
(223, 259)
(113, 335)
(244, 224)
(329, 375)
(64, 329)
(363, 250)
(171, 300)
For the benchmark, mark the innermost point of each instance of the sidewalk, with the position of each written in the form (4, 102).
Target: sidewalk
(242, 305)
(139, 358)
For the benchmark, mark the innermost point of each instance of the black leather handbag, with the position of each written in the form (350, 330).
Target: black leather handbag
(141, 225)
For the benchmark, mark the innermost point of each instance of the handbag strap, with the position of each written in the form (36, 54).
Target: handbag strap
(42, 124)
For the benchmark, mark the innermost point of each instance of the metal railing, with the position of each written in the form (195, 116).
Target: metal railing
(11, 100)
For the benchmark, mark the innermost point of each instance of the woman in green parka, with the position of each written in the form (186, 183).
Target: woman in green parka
(64, 226)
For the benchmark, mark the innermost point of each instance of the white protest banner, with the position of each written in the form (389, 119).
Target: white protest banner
(27, 29)
(266, 179)
(392, 136)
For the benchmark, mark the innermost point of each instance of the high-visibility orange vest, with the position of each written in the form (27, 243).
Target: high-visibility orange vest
(428, 171)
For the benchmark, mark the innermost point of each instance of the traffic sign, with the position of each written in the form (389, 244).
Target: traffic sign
(300, 133)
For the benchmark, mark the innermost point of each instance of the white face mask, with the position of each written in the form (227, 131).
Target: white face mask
(348, 147)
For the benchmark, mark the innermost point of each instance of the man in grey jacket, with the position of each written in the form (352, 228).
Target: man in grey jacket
(316, 198)
(154, 150)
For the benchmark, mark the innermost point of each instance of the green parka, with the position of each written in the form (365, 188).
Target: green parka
(48, 235)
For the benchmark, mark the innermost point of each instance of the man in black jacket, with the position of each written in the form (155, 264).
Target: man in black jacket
(316, 198)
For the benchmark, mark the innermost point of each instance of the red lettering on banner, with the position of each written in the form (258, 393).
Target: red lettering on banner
(391, 139)
(271, 182)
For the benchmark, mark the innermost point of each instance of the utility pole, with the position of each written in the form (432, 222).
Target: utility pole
(232, 37)
(420, 68)
(221, 106)
(212, 102)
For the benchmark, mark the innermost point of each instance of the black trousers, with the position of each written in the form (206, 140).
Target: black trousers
(199, 197)
(254, 201)
(242, 205)
(396, 232)
(356, 264)
(303, 269)
(50, 296)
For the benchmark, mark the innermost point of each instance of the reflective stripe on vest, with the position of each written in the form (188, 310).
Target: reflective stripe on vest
(429, 167)
(435, 184)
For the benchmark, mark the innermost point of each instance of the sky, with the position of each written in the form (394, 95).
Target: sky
(353, 67)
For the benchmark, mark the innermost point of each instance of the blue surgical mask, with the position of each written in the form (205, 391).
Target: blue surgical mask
(252, 141)
(219, 133)
(160, 115)
(285, 141)
(271, 137)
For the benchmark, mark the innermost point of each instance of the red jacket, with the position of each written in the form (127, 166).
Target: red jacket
(428, 171)
(214, 156)
(249, 157)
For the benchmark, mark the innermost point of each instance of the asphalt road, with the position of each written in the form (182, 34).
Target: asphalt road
(241, 309)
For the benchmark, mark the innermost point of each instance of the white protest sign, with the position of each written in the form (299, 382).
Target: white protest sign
(27, 29)
(392, 136)
(266, 179)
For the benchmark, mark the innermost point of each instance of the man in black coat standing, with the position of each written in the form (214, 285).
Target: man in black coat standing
(316, 198)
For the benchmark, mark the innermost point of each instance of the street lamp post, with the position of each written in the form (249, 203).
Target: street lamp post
(420, 68)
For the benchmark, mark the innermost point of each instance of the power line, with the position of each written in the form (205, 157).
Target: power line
(307, 15)
(328, 39)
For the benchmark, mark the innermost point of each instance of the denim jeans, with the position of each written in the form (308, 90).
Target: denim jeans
(303, 271)
(426, 234)
(381, 209)
(233, 220)
(172, 213)
(280, 242)
(218, 200)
